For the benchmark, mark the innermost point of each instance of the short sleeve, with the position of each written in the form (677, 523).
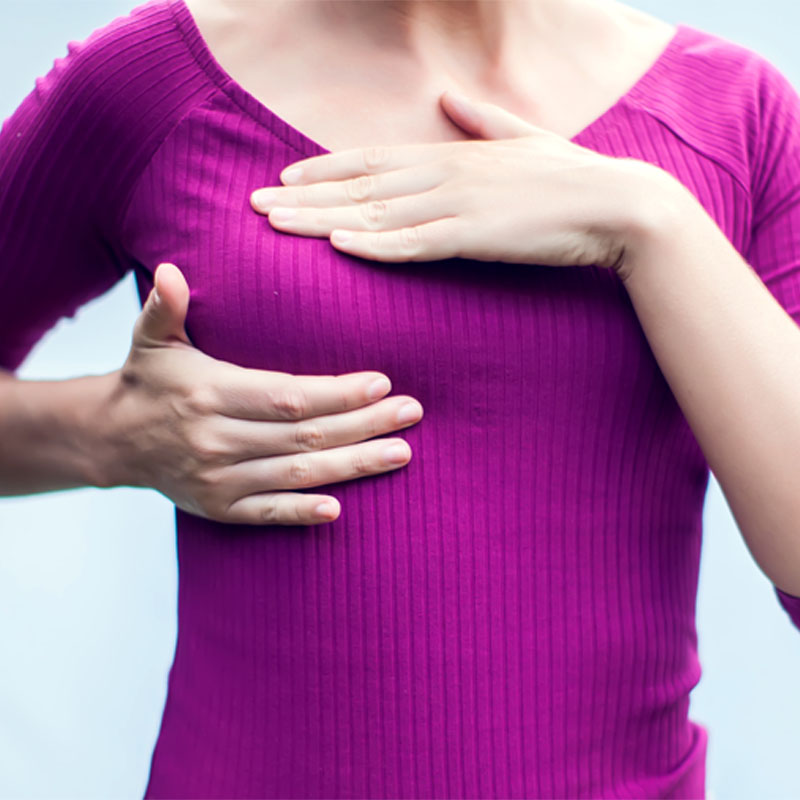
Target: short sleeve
(70, 158)
(774, 251)
(57, 206)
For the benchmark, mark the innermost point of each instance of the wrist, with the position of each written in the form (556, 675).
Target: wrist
(113, 434)
(89, 427)
(657, 206)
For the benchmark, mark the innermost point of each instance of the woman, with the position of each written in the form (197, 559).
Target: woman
(568, 274)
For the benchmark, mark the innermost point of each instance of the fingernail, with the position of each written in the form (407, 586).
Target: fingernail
(264, 198)
(292, 175)
(378, 388)
(459, 102)
(156, 297)
(395, 454)
(408, 412)
(325, 510)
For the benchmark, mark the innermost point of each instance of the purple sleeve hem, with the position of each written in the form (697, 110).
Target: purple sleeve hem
(791, 605)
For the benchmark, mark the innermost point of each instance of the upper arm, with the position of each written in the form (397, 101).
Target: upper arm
(57, 207)
(774, 251)
(70, 159)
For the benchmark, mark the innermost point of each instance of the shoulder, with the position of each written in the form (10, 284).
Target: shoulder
(718, 95)
(128, 73)
(102, 111)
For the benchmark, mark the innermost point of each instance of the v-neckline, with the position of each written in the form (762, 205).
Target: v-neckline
(309, 147)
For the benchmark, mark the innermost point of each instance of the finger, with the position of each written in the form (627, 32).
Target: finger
(485, 119)
(305, 470)
(431, 241)
(375, 215)
(366, 161)
(283, 508)
(163, 315)
(264, 395)
(248, 439)
(351, 191)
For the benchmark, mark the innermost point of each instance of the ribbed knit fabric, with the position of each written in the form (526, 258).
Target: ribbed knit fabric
(512, 614)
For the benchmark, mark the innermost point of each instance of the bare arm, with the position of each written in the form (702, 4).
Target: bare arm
(731, 355)
(52, 433)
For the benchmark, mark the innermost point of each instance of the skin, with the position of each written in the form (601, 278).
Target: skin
(556, 63)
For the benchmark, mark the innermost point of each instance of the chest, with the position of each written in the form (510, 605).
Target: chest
(265, 299)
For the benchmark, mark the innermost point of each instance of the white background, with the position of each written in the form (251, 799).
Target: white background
(88, 577)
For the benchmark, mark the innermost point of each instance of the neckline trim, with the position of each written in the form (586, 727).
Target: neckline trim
(304, 144)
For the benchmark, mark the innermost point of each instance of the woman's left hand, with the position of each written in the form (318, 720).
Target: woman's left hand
(521, 195)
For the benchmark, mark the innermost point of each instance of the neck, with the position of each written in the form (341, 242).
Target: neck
(477, 37)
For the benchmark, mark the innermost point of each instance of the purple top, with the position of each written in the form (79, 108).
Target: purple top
(511, 614)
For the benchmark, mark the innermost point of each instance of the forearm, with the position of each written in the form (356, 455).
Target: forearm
(52, 433)
(731, 355)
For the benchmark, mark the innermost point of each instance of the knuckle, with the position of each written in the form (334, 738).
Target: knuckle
(410, 240)
(201, 399)
(375, 242)
(206, 448)
(360, 188)
(309, 436)
(375, 156)
(290, 402)
(207, 484)
(374, 212)
(614, 257)
(270, 513)
(373, 427)
(344, 396)
(360, 464)
(300, 472)
(304, 196)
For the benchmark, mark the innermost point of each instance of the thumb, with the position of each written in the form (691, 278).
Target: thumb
(484, 119)
(163, 315)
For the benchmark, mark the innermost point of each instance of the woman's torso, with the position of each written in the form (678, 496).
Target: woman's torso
(511, 614)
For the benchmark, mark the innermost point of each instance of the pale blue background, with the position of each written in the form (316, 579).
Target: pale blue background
(88, 577)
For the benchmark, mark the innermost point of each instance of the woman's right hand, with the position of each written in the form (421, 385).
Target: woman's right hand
(235, 444)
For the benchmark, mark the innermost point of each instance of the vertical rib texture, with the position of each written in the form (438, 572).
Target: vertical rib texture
(513, 613)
